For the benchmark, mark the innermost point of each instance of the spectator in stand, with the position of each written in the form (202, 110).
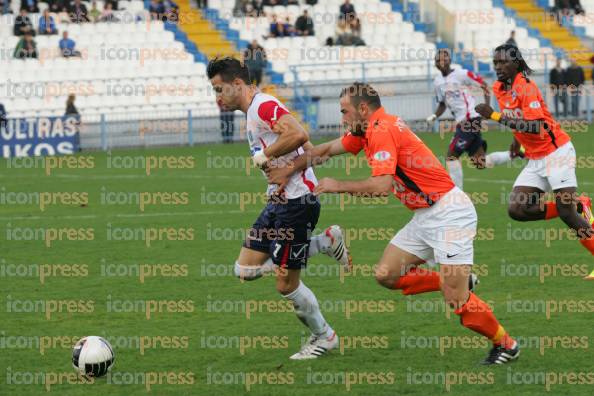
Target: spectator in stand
(574, 78)
(276, 28)
(22, 24)
(202, 3)
(107, 14)
(47, 25)
(157, 9)
(171, 11)
(254, 57)
(94, 14)
(68, 46)
(304, 25)
(576, 7)
(3, 118)
(258, 7)
(71, 110)
(311, 2)
(30, 6)
(78, 12)
(557, 84)
(356, 27)
(347, 11)
(227, 119)
(512, 39)
(60, 8)
(26, 47)
(288, 29)
(5, 7)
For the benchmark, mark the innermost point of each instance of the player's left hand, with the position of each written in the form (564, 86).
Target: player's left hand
(326, 185)
(484, 110)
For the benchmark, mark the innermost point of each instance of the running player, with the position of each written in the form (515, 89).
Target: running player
(443, 226)
(551, 154)
(281, 235)
(452, 92)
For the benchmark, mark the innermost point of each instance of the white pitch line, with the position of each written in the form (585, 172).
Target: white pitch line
(507, 181)
(166, 214)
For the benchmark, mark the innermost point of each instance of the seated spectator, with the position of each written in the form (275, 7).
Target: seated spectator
(47, 25)
(276, 28)
(258, 6)
(157, 9)
(304, 25)
(78, 12)
(345, 35)
(107, 14)
(171, 11)
(30, 6)
(347, 11)
(26, 47)
(22, 24)
(311, 2)
(5, 7)
(94, 14)
(288, 29)
(60, 7)
(3, 118)
(68, 46)
(356, 27)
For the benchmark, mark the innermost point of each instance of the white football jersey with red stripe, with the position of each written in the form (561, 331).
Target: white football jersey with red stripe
(263, 113)
(453, 90)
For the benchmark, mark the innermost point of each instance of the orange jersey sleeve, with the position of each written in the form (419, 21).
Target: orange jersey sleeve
(383, 149)
(352, 144)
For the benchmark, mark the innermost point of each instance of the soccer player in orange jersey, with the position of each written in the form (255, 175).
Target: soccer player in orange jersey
(551, 154)
(443, 226)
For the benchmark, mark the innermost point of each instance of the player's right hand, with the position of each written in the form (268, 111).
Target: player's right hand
(431, 119)
(514, 149)
(278, 175)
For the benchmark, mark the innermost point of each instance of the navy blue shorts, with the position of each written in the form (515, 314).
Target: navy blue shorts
(284, 230)
(468, 138)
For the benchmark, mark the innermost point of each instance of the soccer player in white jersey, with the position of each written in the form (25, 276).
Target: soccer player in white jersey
(281, 236)
(452, 92)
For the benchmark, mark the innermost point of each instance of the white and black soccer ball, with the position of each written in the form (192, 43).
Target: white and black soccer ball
(92, 356)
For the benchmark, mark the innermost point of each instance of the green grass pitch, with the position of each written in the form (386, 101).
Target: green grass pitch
(72, 267)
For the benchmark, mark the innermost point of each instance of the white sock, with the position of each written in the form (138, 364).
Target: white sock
(320, 243)
(247, 272)
(455, 169)
(308, 311)
(497, 158)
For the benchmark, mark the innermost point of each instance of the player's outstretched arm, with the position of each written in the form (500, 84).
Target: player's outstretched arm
(520, 125)
(279, 173)
(371, 187)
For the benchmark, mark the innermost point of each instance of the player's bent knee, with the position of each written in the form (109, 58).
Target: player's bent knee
(516, 212)
(385, 277)
(247, 273)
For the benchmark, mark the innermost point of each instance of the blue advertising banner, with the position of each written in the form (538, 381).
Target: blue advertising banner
(39, 136)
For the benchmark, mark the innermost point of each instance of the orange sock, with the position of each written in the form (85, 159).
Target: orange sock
(551, 210)
(418, 280)
(477, 316)
(588, 244)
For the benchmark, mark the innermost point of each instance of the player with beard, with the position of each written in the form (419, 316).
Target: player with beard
(444, 224)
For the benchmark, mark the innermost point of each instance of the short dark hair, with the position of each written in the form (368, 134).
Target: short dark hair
(229, 69)
(361, 92)
(443, 51)
(515, 55)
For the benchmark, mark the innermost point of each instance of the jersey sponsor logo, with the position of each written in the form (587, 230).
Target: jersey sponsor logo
(382, 156)
(534, 105)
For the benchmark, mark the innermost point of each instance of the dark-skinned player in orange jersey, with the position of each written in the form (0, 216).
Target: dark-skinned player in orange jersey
(552, 157)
